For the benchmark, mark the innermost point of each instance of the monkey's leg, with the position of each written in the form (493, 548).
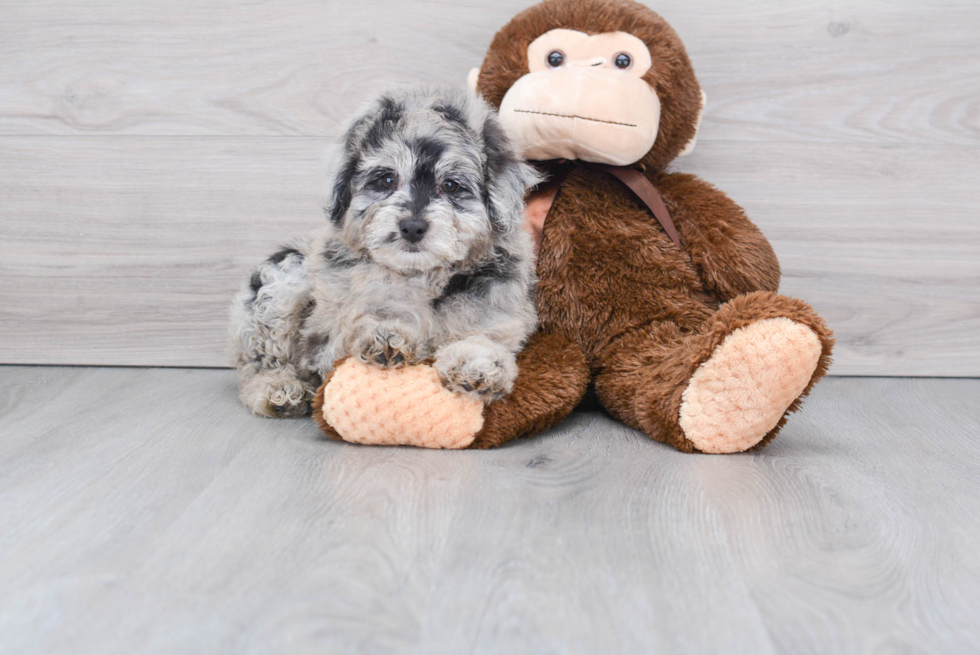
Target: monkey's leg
(551, 380)
(728, 386)
(410, 406)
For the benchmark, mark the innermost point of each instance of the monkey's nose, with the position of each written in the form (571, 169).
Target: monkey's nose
(413, 229)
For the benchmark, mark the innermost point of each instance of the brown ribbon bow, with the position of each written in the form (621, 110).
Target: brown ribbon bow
(543, 197)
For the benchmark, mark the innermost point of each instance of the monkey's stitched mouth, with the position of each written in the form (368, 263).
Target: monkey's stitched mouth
(584, 118)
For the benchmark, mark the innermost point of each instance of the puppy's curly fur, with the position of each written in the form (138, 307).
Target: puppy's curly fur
(423, 258)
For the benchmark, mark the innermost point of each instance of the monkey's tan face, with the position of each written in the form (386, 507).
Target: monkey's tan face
(584, 98)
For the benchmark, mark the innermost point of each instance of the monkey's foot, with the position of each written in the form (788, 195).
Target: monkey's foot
(742, 391)
(395, 407)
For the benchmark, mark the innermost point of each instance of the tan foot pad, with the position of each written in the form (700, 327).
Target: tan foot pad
(736, 397)
(398, 407)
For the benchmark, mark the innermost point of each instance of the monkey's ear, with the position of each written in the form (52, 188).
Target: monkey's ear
(472, 79)
(697, 126)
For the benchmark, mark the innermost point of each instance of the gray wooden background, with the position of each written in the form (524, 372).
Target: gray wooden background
(151, 152)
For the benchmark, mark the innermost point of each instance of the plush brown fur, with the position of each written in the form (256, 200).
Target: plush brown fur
(618, 301)
(552, 380)
(646, 372)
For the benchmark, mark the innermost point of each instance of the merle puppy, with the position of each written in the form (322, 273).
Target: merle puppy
(423, 258)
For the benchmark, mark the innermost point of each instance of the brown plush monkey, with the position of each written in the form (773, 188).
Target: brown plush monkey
(692, 345)
(689, 343)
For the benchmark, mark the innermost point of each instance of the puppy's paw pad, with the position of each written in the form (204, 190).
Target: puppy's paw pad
(485, 379)
(385, 347)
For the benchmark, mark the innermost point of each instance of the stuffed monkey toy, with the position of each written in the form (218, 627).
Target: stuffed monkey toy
(653, 286)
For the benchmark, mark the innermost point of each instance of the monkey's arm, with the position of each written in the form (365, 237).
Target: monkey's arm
(728, 250)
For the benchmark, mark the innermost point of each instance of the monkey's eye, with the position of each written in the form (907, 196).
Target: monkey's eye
(450, 186)
(386, 181)
(623, 61)
(556, 58)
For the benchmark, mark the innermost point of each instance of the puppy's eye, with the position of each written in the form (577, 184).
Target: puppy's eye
(556, 58)
(623, 61)
(450, 186)
(386, 181)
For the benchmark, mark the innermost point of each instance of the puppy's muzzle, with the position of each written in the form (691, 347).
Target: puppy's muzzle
(413, 229)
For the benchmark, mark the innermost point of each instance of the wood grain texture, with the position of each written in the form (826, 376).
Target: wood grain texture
(137, 259)
(146, 511)
(816, 71)
(883, 241)
(151, 152)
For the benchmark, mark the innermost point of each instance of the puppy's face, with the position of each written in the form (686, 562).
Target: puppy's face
(421, 182)
(417, 202)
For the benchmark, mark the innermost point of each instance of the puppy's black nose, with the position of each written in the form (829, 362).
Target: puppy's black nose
(413, 229)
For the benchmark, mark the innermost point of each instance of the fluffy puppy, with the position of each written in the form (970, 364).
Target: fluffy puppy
(423, 259)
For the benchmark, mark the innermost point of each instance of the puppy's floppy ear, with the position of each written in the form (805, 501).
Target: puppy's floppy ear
(507, 179)
(343, 185)
(343, 188)
(368, 131)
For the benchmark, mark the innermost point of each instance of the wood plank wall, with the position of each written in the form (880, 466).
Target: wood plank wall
(151, 152)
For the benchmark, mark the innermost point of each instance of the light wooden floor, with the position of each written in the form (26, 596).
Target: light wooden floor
(143, 511)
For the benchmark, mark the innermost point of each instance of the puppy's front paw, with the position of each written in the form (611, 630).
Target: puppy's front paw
(477, 367)
(385, 346)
